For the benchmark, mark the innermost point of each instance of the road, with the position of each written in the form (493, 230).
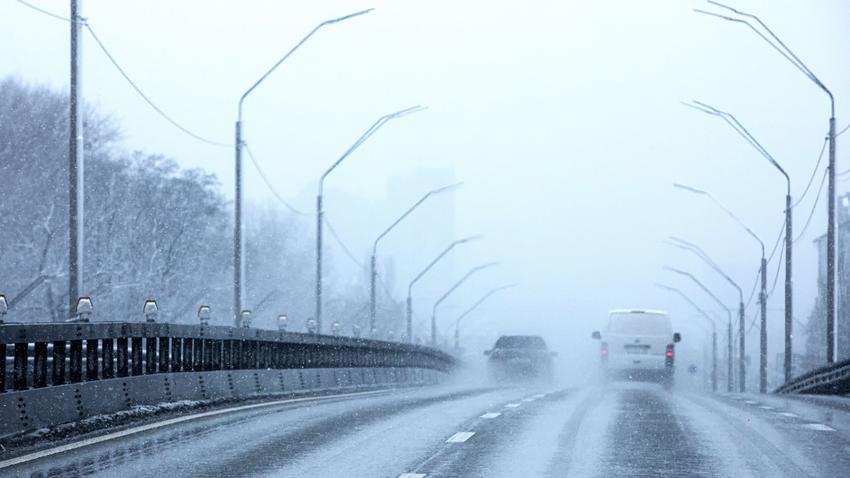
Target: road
(621, 429)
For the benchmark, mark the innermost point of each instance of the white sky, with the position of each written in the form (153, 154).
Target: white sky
(562, 117)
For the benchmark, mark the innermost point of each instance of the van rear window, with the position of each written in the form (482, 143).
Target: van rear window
(639, 324)
(520, 342)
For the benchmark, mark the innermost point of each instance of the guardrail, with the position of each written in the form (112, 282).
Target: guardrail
(57, 373)
(831, 380)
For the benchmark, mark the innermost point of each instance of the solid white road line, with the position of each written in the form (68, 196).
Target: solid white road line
(460, 437)
(490, 415)
(412, 475)
(818, 427)
(512, 405)
(153, 426)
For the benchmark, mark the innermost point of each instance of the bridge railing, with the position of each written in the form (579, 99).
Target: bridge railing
(45, 355)
(830, 380)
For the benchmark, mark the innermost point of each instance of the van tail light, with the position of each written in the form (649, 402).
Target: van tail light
(668, 355)
(603, 350)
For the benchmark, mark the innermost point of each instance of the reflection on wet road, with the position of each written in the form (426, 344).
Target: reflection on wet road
(621, 429)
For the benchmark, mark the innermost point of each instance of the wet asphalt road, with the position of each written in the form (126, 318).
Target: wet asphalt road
(629, 430)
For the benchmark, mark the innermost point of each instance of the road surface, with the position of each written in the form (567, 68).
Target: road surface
(621, 429)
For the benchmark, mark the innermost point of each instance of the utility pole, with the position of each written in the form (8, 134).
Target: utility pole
(320, 212)
(763, 332)
(76, 166)
(830, 252)
(773, 40)
(762, 272)
(742, 366)
(373, 275)
(239, 262)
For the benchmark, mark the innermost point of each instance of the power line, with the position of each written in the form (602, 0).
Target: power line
(41, 10)
(145, 97)
(814, 206)
(269, 184)
(341, 244)
(127, 77)
(778, 267)
(814, 173)
(776, 244)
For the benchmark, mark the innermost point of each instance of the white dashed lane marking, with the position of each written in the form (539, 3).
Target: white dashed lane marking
(526, 400)
(538, 396)
(412, 475)
(766, 407)
(818, 427)
(788, 414)
(512, 405)
(460, 437)
(491, 415)
(750, 402)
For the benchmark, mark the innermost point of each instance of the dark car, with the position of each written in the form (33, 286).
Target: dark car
(519, 357)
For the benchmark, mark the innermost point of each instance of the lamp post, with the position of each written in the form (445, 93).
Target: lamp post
(474, 306)
(374, 273)
(457, 284)
(238, 225)
(741, 130)
(409, 308)
(762, 293)
(76, 166)
(719, 302)
(786, 52)
(697, 251)
(713, 332)
(319, 206)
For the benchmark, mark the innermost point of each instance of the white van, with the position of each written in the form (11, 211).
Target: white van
(638, 344)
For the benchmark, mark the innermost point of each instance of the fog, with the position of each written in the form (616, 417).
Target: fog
(563, 119)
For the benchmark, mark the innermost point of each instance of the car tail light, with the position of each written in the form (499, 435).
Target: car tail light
(668, 355)
(603, 350)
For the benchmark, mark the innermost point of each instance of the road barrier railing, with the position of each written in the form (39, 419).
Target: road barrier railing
(56, 373)
(830, 380)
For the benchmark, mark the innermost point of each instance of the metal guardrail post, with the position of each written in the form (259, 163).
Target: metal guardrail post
(19, 377)
(122, 355)
(75, 364)
(39, 365)
(163, 355)
(176, 354)
(91, 359)
(150, 355)
(187, 355)
(136, 355)
(108, 366)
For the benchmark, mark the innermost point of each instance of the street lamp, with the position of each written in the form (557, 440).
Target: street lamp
(762, 294)
(475, 306)
(713, 332)
(697, 251)
(374, 274)
(729, 353)
(409, 309)
(320, 212)
(830, 230)
(739, 128)
(238, 225)
(457, 284)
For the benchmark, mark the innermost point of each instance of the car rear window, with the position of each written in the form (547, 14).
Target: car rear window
(520, 342)
(639, 324)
